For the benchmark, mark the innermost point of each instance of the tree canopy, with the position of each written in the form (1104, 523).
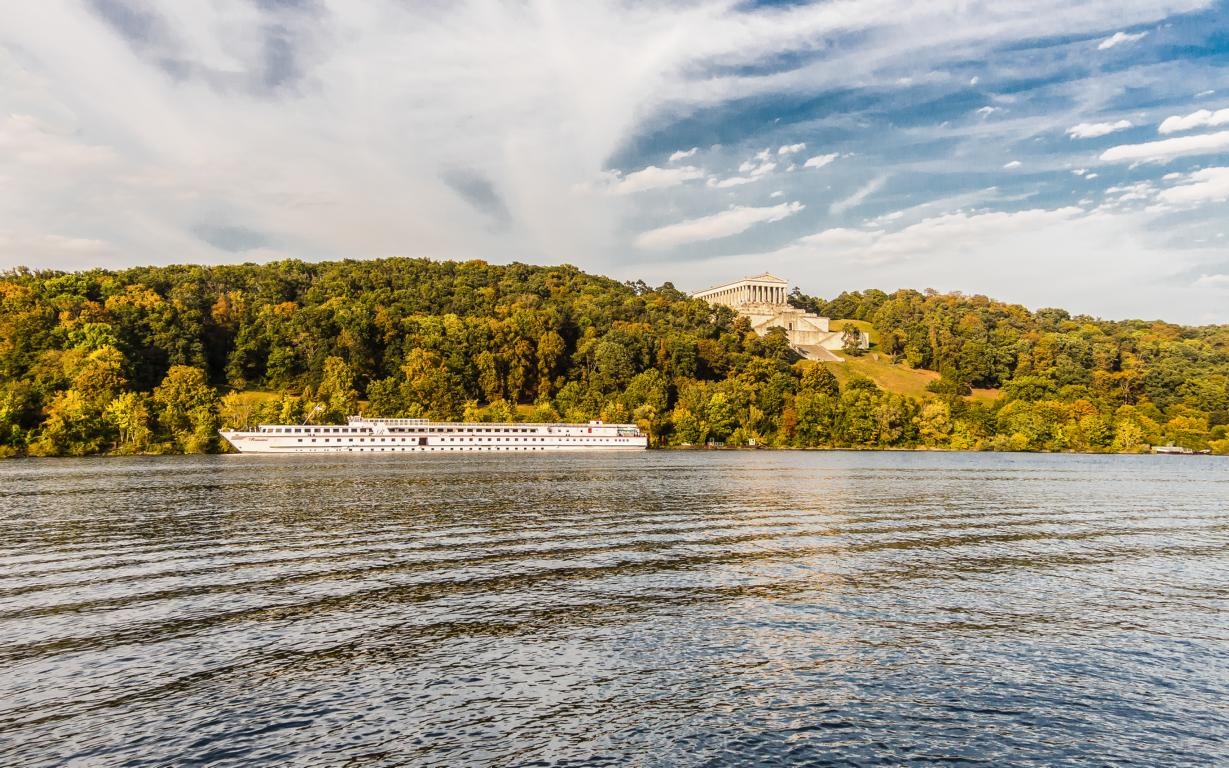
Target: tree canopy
(155, 359)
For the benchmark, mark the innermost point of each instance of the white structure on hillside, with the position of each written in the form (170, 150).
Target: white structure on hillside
(764, 300)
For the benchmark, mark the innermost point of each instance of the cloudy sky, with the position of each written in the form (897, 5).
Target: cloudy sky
(1047, 152)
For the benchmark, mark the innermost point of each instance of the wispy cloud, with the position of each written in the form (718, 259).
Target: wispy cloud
(718, 225)
(1200, 119)
(1013, 256)
(1095, 130)
(858, 197)
(732, 181)
(1204, 185)
(652, 177)
(1215, 281)
(819, 161)
(1166, 149)
(463, 129)
(1118, 38)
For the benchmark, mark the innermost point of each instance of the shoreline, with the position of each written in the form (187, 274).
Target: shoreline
(672, 448)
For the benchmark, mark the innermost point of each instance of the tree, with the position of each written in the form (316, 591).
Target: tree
(721, 416)
(18, 415)
(818, 380)
(237, 410)
(934, 424)
(128, 414)
(550, 351)
(186, 409)
(851, 340)
(815, 421)
(336, 391)
(70, 427)
(384, 398)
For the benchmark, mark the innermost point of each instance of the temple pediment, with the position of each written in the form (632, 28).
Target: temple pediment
(767, 277)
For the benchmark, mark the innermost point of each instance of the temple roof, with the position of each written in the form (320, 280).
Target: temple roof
(763, 277)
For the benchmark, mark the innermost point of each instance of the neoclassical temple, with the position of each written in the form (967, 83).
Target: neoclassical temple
(761, 289)
(764, 300)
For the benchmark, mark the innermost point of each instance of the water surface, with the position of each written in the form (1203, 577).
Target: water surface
(654, 609)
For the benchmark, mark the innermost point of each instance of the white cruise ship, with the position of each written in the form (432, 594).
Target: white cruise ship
(364, 435)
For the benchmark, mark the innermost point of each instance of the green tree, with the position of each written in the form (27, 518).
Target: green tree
(128, 414)
(934, 423)
(817, 379)
(336, 391)
(186, 409)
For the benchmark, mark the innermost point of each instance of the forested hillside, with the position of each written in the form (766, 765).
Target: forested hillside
(156, 359)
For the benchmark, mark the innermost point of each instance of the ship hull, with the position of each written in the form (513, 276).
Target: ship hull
(244, 444)
(421, 436)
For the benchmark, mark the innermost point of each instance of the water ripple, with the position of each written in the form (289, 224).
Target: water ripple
(658, 610)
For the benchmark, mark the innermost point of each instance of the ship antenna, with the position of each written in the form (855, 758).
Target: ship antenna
(312, 412)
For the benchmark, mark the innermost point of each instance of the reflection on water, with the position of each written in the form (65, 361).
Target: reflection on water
(657, 609)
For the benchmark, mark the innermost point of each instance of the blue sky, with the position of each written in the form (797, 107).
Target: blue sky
(1044, 152)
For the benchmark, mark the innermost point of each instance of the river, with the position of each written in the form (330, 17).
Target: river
(655, 609)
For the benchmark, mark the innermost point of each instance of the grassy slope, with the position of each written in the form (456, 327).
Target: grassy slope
(892, 377)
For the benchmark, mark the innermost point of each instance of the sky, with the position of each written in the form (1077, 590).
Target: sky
(1043, 152)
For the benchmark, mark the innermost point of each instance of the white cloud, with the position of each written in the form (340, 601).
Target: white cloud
(759, 165)
(1129, 193)
(437, 129)
(1094, 130)
(732, 181)
(648, 178)
(1111, 263)
(1200, 119)
(1215, 281)
(987, 110)
(724, 224)
(858, 197)
(778, 193)
(1202, 186)
(1118, 38)
(1165, 149)
(819, 161)
(843, 238)
(683, 154)
(974, 80)
(1012, 165)
(790, 149)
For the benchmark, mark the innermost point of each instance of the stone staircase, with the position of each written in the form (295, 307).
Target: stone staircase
(818, 353)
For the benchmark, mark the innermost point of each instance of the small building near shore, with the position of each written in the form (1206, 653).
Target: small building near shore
(764, 301)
